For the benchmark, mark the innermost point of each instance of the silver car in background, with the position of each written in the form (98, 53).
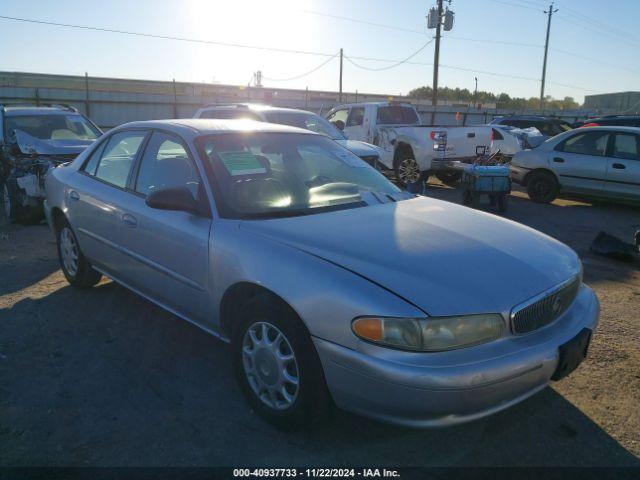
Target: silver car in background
(602, 162)
(330, 283)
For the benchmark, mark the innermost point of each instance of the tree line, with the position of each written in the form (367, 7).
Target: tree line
(502, 100)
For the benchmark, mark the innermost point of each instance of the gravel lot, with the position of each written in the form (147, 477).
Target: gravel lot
(104, 378)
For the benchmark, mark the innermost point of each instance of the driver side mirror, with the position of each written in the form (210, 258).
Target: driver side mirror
(175, 198)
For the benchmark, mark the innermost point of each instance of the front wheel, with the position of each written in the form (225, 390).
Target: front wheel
(276, 364)
(542, 187)
(76, 268)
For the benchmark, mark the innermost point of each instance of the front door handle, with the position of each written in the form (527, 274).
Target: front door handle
(558, 160)
(129, 220)
(73, 195)
(619, 166)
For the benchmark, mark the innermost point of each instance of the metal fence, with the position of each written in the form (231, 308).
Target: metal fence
(111, 102)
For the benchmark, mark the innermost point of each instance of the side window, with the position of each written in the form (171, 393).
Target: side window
(339, 116)
(496, 134)
(356, 117)
(90, 166)
(166, 164)
(588, 143)
(117, 157)
(626, 146)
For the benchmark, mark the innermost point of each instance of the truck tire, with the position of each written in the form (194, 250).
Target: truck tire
(406, 168)
(542, 187)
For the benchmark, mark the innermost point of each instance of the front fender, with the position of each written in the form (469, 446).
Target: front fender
(325, 296)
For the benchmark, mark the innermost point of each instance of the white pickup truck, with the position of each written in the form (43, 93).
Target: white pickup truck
(414, 151)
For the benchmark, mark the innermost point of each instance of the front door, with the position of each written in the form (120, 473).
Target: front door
(623, 167)
(356, 127)
(168, 250)
(580, 162)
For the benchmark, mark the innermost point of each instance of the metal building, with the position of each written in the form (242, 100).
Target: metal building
(620, 103)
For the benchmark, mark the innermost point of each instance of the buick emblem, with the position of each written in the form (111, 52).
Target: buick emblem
(557, 305)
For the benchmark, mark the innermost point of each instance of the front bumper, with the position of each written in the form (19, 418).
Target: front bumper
(447, 388)
(517, 174)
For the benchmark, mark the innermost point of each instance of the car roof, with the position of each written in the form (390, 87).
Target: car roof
(617, 128)
(368, 104)
(11, 111)
(258, 107)
(192, 127)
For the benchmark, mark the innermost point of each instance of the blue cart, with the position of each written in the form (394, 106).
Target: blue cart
(491, 180)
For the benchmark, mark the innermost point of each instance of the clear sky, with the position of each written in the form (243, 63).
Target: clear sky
(595, 45)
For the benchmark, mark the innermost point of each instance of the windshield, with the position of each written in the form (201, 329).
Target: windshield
(308, 121)
(52, 127)
(266, 175)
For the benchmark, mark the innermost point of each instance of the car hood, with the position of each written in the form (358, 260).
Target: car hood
(29, 144)
(444, 258)
(361, 149)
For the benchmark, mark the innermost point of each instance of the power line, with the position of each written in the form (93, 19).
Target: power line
(388, 67)
(164, 37)
(364, 22)
(594, 60)
(295, 77)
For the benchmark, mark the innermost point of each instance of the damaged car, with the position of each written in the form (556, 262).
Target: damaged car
(34, 139)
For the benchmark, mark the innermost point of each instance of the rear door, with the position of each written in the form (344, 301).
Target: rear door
(168, 250)
(623, 167)
(96, 194)
(580, 162)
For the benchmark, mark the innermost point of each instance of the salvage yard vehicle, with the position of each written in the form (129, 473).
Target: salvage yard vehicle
(601, 162)
(414, 151)
(547, 126)
(611, 121)
(328, 280)
(294, 118)
(34, 139)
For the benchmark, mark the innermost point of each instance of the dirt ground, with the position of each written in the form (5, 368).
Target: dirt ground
(104, 378)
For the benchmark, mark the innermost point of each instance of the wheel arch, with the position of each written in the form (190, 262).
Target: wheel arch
(57, 218)
(527, 177)
(402, 149)
(236, 295)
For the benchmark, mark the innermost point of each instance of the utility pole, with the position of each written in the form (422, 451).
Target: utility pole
(340, 89)
(475, 94)
(546, 50)
(436, 62)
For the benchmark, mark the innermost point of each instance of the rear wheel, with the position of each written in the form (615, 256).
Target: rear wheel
(276, 364)
(542, 187)
(76, 268)
(406, 169)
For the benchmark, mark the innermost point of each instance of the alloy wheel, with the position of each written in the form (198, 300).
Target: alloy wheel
(270, 365)
(409, 171)
(69, 251)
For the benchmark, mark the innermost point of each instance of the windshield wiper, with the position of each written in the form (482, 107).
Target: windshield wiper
(298, 212)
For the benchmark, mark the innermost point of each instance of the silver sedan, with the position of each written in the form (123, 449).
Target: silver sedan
(330, 283)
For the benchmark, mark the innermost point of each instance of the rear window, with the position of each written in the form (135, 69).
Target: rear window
(234, 114)
(396, 115)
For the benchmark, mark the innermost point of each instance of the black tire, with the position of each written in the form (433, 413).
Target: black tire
(449, 178)
(402, 157)
(84, 275)
(466, 197)
(502, 203)
(312, 396)
(5, 205)
(542, 187)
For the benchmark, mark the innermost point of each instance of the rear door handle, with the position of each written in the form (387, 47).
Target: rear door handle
(619, 166)
(73, 195)
(129, 220)
(558, 160)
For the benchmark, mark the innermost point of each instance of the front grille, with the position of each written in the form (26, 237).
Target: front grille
(544, 309)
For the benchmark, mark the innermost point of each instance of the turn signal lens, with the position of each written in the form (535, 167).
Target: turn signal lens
(368, 328)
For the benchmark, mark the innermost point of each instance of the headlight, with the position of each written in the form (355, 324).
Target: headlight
(431, 334)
